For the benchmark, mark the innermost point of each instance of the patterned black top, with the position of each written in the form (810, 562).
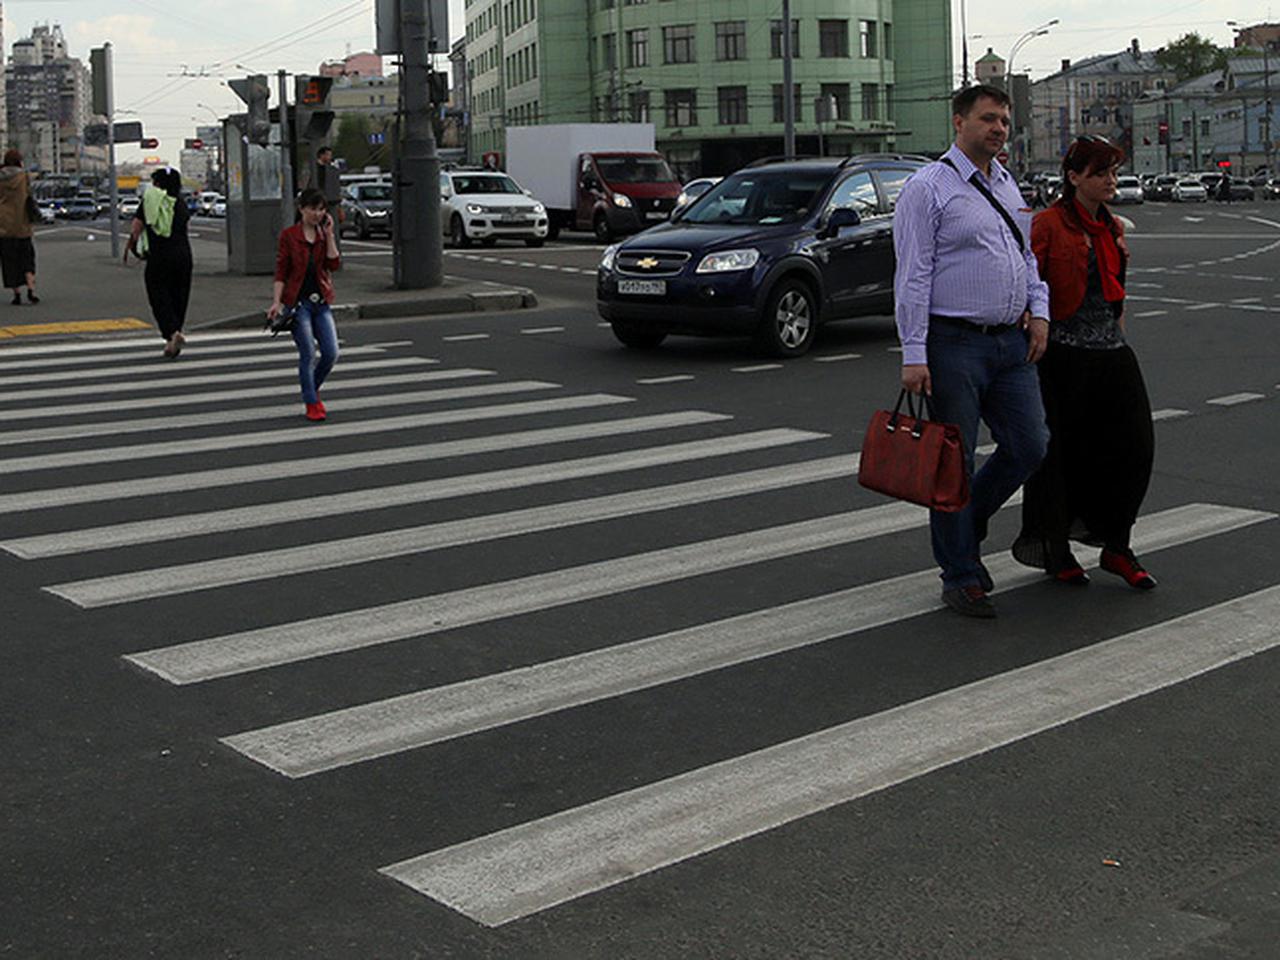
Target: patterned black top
(1095, 325)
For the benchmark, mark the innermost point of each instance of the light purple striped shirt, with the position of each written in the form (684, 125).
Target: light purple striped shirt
(957, 257)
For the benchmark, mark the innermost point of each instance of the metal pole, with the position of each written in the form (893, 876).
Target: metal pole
(1266, 101)
(788, 86)
(286, 157)
(111, 153)
(416, 225)
(964, 45)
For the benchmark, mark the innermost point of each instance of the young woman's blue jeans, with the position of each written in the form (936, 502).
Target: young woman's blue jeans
(983, 376)
(313, 327)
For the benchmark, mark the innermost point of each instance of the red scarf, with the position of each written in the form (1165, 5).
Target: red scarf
(1107, 252)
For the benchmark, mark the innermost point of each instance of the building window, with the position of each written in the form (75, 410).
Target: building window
(870, 102)
(833, 38)
(638, 47)
(733, 105)
(840, 93)
(731, 40)
(634, 3)
(1084, 88)
(1204, 128)
(775, 39)
(1186, 128)
(887, 45)
(609, 51)
(1084, 118)
(677, 44)
(681, 107)
(777, 102)
(888, 102)
(638, 105)
(867, 38)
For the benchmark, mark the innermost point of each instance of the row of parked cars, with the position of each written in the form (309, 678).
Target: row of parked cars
(1175, 187)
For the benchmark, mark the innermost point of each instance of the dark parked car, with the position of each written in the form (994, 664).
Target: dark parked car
(772, 251)
(1160, 187)
(80, 208)
(367, 209)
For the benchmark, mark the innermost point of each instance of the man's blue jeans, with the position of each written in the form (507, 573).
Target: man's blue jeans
(313, 327)
(983, 375)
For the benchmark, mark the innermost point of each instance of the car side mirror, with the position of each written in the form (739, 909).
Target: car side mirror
(840, 218)
(528, 193)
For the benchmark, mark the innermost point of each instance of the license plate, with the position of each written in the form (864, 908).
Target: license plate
(655, 215)
(512, 218)
(652, 288)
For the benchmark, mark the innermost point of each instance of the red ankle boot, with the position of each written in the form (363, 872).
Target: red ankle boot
(1124, 564)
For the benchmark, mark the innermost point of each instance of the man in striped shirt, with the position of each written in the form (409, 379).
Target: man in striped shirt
(972, 317)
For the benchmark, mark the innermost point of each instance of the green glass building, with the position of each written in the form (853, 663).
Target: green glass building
(869, 75)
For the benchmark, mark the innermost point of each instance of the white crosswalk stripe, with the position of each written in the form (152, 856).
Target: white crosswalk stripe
(110, 363)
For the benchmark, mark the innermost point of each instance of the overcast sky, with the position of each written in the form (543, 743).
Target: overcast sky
(158, 44)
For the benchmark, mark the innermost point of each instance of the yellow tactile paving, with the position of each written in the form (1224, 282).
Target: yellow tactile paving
(74, 326)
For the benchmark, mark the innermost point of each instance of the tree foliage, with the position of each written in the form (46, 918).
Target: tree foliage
(1191, 55)
(352, 141)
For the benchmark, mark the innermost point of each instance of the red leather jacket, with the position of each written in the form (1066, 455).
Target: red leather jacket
(291, 264)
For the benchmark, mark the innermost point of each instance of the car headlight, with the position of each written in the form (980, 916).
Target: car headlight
(474, 209)
(729, 260)
(606, 258)
(539, 208)
(621, 200)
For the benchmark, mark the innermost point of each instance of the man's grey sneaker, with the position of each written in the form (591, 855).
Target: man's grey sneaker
(970, 602)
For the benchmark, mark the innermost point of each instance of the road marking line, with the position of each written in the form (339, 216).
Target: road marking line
(1253, 306)
(182, 384)
(283, 393)
(893, 349)
(139, 343)
(258, 649)
(459, 337)
(608, 326)
(350, 551)
(1243, 300)
(834, 357)
(530, 867)
(72, 326)
(675, 378)
(380, 728)
(1152, 313)
(542, 330)
(304, 433)
(1231, 399)
(541, 266)
(1169, 413)
(756, 368)
(103, 362)
(1203, 306)
(441, 488)
(276, 411)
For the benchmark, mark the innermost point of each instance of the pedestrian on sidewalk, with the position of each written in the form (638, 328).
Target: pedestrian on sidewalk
(307, 255)
(1102, 442)
(324, 176)
(17, 213)
(159, 236)
(972, 318)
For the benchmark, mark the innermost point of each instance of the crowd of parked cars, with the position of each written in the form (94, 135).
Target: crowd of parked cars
(1041, 190)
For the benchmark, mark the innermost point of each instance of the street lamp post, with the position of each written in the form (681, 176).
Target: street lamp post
(1018, 44)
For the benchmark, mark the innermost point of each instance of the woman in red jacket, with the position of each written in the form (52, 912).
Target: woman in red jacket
(308, 253)
(1102, 444)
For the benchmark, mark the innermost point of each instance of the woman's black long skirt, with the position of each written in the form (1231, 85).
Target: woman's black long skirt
(1101, 448)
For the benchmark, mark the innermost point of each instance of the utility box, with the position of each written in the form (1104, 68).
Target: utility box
(253, 199)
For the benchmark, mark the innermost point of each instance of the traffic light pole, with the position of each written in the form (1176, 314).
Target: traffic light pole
(286, 158)
(111, 153)
(419, 257)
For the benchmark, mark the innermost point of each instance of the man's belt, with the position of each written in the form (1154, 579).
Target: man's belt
(987, 328)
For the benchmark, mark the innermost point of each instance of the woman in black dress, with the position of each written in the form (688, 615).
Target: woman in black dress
(162, 221)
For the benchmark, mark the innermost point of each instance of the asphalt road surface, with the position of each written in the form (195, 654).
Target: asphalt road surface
(545, 648)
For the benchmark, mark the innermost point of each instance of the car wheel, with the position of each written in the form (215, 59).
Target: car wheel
(458, 232)
(534, 242)
(790, 320)
(633, 336)
(602, 229)
(553, 229)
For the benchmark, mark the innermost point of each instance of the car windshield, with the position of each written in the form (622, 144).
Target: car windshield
(378, 192)
(760, 197)
(635, 170)
(466, 185)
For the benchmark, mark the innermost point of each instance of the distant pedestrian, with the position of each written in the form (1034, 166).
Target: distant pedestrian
(1102, 443)
(17, 213)
(159, 236)
(1224, 188)
(324, 176)
(307, 255)
(972, 318)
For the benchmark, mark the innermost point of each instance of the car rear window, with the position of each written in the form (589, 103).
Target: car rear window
(759, 197)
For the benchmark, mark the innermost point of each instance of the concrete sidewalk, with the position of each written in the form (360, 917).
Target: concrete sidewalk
(83, 290)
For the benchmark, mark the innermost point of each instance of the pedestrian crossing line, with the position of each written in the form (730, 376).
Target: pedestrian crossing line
(336, 384)
(277, 411)
(258, 649)
(530, 867)
(1169, 413)
(1232, 399)
(439, 488)
(306, 433)
(350, 551)
(141, 344)
(316, 744)
(105, 362)
(283, 371)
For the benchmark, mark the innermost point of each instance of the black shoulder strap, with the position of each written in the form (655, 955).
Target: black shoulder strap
(1008, 219)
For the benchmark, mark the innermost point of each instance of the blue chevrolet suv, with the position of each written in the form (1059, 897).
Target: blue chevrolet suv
(772, 251)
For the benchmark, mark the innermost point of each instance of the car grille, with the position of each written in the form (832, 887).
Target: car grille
(668, 262)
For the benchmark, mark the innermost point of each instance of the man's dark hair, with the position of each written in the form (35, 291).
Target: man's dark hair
(311, 197)
(966, 97)
(322, 151)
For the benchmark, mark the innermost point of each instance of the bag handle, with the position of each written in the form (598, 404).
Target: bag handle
(918, 415)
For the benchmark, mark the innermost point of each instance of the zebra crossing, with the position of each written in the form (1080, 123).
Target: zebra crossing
(231, 425)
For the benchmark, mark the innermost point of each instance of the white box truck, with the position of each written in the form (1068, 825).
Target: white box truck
(603, 177)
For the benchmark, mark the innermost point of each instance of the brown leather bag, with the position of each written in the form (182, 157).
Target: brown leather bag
(909, 457)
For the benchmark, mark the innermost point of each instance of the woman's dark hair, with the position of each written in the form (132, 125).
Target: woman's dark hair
(311, 197)
(966, 97)
(1088, 154)
(12, 158)
(168, 180)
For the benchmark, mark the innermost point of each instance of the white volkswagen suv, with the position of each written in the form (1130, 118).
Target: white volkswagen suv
(486, 205)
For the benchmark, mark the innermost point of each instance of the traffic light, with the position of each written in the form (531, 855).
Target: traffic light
(148, 143)
(1163, 127)
(311, 98)
(1224, 164)
(255, 93)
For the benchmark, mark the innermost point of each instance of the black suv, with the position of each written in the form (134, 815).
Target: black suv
(772, 251)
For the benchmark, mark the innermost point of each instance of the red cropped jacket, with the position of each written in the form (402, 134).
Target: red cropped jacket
(291, 263)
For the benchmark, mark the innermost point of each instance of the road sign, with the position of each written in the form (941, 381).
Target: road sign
(100, 66)
(253, 90)
(1003, 156)
(148, 143)
(95, 134)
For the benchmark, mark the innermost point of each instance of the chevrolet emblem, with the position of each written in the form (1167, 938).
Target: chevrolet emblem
(647, 263)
